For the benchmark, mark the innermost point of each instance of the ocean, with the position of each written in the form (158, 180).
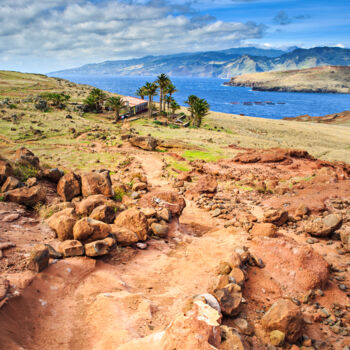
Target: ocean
(229, 99)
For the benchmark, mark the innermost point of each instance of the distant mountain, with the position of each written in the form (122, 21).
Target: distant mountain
(222, 64)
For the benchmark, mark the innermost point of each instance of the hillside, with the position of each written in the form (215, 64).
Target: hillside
(330, 79)
(137, 234)
(222, 64)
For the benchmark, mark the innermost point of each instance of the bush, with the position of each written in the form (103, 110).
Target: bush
(24, 172)
(119, 193)
(12, 106)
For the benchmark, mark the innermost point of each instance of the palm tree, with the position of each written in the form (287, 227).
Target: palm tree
(190, 101)
(117, 104)
(174, 106)
(170, 89)
(167, 100)
(141, 92)
(150, 90)
(162, 81)
(96, 99)
(200, 109)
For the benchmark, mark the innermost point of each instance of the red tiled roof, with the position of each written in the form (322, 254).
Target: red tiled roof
(134, 101)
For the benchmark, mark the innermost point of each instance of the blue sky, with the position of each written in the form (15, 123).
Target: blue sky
(43, 36)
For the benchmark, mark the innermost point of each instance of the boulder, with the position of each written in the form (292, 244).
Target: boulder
(96, 183)
(25, 157)
(27, 196)
(164, 214)
(147, 143)
(159, 230)
(277, 217)
(232, 340)
(69, 186)
(206, 184)
(71, 248)
(105, 213)
(164, 199)
(10, 184)
(135, 221)
(5, 170)
(88, 230)
(62, 223)
(87, 205)
(97, 248)
(53, 175)
(264, 229)
(229, 298)
(124, 236)
(323, 227)
(286, 317)
(39, 258)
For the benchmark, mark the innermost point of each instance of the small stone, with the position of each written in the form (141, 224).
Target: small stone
(96, 248)
(53, 253)
(343, 287)
(164, 214)
(159, 229)
(39, 258)
(243, 326)
(216, 212)
(71, 248)
(11, 217)
(277, 338)
(141, 245)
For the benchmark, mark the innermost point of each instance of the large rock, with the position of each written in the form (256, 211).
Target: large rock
(164, 199)
(27, 196)
(147, 143)
(105, 213)
(97, 248)
(206, 184)
(135, 221)
(276, 217)
(71, 248)
(10, 184)
(87, 205)
(264, 229)
(345, 239)
(229, 298)
(53, 175)
(96, 183)
(39, 258)
(62, 223)
(286, 317)
(160, 230)
(88, 230)
(323, 227)
(25, 157)
(5, 170)
(199, 329)
(69, 186)
(124, 236)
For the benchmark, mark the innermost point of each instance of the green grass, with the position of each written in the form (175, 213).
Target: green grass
(207, 156)
(24, 172)
(2, 198)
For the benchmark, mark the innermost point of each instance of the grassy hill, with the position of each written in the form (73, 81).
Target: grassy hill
(332, 79)
(87, 139)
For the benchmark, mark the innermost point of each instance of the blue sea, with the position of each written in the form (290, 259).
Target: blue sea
(229, 99)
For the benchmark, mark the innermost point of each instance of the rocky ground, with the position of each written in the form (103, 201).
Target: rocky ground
(112, 239)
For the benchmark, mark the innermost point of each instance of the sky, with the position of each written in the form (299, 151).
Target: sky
(48, 35)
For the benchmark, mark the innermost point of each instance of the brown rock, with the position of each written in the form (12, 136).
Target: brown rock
(185, 176)
(71, 248)
(243, 326)
(135, 221)
(62, 223)
(159, 229)
(206, 184)
(88, 230)
(69, 186)
(301, 210)
(264, 229)
(87, 205)
(25, 157)
(10, 184)
(345, 239)
(27, 196)
(147, 143)
(164, 199)
(97, 248)
(32, 181)
(286, 317)
(5, 170)
(149, 212)
(164, 214)
(110, 241)
(229, 298)
(105, 213)
(96, 183)
(39, 258)
(53, 175)
(237, 276)
(277, 217)
(323, 227)
(139, 186)
(232, 340)
(124, 236)
(4, 286)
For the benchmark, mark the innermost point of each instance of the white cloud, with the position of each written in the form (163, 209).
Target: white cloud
(57, 34)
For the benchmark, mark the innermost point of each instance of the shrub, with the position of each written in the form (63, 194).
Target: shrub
(24, 172)
(119, 193)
